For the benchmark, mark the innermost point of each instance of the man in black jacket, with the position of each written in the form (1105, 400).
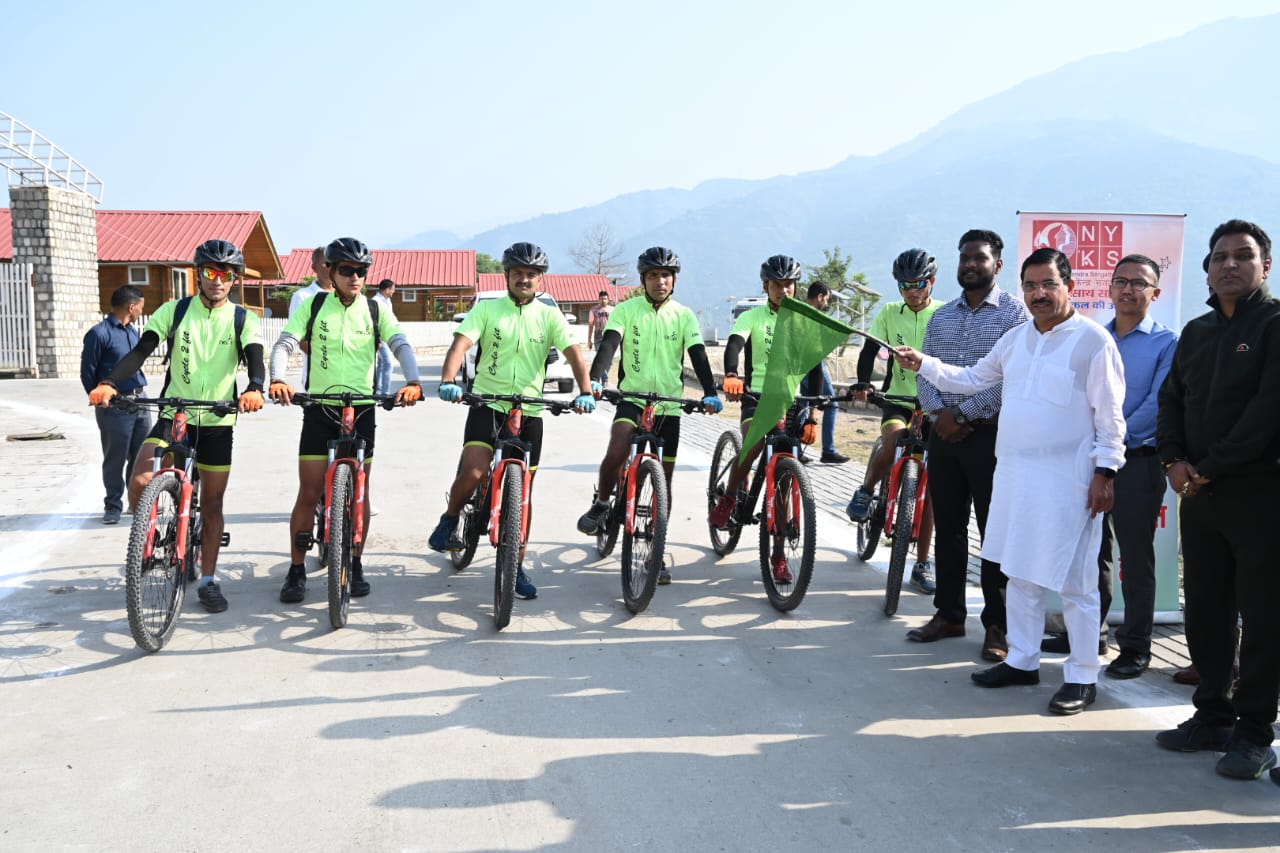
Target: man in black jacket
(1219, 440)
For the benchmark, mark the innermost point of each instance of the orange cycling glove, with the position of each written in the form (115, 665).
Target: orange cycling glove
(408, 395)
(101, 396)
(251, 401)
(733, 385)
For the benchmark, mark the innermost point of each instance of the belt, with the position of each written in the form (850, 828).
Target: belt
(1139, 452)
(984, 421)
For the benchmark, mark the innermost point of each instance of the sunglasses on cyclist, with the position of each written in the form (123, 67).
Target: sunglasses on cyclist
(352, 272)
(913, 285)
(214, 274)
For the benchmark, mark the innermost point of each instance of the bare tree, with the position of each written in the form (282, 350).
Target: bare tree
(599, 251)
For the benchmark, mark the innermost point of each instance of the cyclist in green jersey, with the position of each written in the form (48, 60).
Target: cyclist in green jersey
(899, 323)
(343, 345)
(654, 333)
(515, 335)
(202, 367)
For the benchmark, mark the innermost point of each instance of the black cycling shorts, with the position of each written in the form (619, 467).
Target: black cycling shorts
(323, 424)
(749, 405)
(482, 428)
(896, 413)
(666, 426)
(212, 443)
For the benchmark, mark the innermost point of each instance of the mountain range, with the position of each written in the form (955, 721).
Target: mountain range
(1180, 126)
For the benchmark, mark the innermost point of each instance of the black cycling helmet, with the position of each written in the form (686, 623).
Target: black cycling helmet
(525, 255)
(914, 265)
(347, 249)
(780, 268)
(657, 258)
(219, 252)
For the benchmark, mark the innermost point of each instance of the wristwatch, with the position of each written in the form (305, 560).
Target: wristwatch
(1109, 473)
(960, 419)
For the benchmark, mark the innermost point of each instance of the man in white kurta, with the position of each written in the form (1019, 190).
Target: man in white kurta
(1061, 441)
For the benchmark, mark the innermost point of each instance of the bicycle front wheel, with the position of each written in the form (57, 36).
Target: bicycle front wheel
(341, 534)
(154, 585)
(792, 537)
(903, 523)
(869, 530)
(508, 560)
(643, 546)
(722, 461)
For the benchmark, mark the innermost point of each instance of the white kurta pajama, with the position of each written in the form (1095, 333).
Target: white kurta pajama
(1061, 416)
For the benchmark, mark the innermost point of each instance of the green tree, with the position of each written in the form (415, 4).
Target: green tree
(487, 263)
(852, 297)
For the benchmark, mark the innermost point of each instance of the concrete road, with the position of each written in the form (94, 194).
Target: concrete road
(710, 722)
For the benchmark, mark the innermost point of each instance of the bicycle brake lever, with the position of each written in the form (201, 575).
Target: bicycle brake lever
(221, 411)
(388, 404)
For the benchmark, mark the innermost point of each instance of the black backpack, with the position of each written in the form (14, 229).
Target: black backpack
(318, 300)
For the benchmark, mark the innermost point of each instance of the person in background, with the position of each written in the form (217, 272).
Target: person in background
(598, 319)
(819, 296)
(382, 372)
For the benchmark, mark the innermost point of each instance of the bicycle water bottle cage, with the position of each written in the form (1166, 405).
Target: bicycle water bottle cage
(179, 430)
(647, 418)
(348, 420)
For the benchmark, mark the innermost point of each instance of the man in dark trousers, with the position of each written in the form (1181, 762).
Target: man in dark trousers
(121, 432)
(1219, 439)
(962, 441)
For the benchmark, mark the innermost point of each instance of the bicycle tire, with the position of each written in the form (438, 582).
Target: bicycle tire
(607, 538)
(154, 586)
(869, 530)
(322, 548)
(643, 547)
(469, 524)
(903, 522)
(195, 543)
(726, 454)
(799, 540)
(341, 532)
(508, 558)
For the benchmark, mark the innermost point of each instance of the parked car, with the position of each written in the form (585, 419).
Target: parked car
(558, 369)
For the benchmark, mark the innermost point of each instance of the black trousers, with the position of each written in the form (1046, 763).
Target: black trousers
(959, 479)
(1139, 490)
(1231, 564)
(121, 434)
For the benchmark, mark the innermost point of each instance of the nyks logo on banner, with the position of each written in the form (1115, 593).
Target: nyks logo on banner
(1089, 244)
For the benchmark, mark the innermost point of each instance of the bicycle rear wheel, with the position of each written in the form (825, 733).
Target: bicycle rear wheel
(195, 543)
(470, 523)
(322, 549)
(869, 530)
(903, 523)
(722, 461)
(154, 585)
(508, 559)
(341, 533)
(642, 548)
(608, 535)
(795, 536)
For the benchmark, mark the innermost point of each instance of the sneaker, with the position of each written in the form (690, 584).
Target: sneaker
(1195, 736)
(524, 587)
(922, 578)
(781, 574)
(723, 512)
(592, 521)
(359, 586)
(834, 458)
(442, 538)
(859, 508)
(111, 516)
(295, 585)
(211, 598)
(1245, 760)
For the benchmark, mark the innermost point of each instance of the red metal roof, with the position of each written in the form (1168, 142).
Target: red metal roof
(166, 236)
(406, 267)
(564, 287)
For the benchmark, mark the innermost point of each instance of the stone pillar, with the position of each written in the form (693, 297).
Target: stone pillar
(56, 231)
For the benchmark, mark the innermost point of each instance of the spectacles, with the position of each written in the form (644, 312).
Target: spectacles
(1047, 284)
(913, 285)
(352, 272)
(214, 274)
(1130, 284)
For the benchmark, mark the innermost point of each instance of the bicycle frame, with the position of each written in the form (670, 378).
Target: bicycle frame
(178, 447)
(348, 436)
(497, 468)
(644, 435)
(766, 470)
(910, 445)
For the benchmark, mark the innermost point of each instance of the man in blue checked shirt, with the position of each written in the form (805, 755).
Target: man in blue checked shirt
(962, 441)
(121, 432)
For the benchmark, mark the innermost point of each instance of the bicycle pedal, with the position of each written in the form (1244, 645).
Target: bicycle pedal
(303, 540)
(226, 539)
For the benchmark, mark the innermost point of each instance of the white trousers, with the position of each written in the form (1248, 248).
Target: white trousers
(1081, 610)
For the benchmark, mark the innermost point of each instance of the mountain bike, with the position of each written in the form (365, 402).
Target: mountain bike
(500, 503)
(788, 518)
(898, 505)
(640, 503)
(164, 539)
(340, 521)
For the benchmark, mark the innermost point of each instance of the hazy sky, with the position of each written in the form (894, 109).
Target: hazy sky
(384, 119)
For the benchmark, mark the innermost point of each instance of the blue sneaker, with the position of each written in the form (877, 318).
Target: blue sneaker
(440, 537)
(859, 508)
(524, 587)
(922, 578)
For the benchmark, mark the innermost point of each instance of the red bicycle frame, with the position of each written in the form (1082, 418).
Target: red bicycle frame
(177, 435)
(357, 464)
(647, 418)
(514, 423)
(895, 478)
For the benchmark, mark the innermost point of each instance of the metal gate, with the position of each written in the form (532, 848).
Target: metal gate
(17, 320)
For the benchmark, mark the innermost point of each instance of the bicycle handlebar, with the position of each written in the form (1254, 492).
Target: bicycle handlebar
(346, 398)
(615, 396)
(221, 408)
(820, 401)
(556, 407)
(880, 399)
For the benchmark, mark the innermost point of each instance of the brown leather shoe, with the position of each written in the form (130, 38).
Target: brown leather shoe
(936, 629)
(995, 647)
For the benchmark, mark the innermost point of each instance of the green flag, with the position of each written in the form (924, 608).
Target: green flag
(802, 337)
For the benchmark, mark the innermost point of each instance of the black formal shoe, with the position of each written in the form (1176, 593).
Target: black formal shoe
(1073, 698)
(1129, 664)
(1003, 675)
(834, 458)
(1060, 644)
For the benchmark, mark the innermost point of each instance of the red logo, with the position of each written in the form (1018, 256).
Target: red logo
(1089, 244)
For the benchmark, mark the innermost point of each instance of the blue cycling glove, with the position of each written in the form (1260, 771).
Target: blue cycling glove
(714, 403)
(585, 402)
(596, 387)
(449, 392)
